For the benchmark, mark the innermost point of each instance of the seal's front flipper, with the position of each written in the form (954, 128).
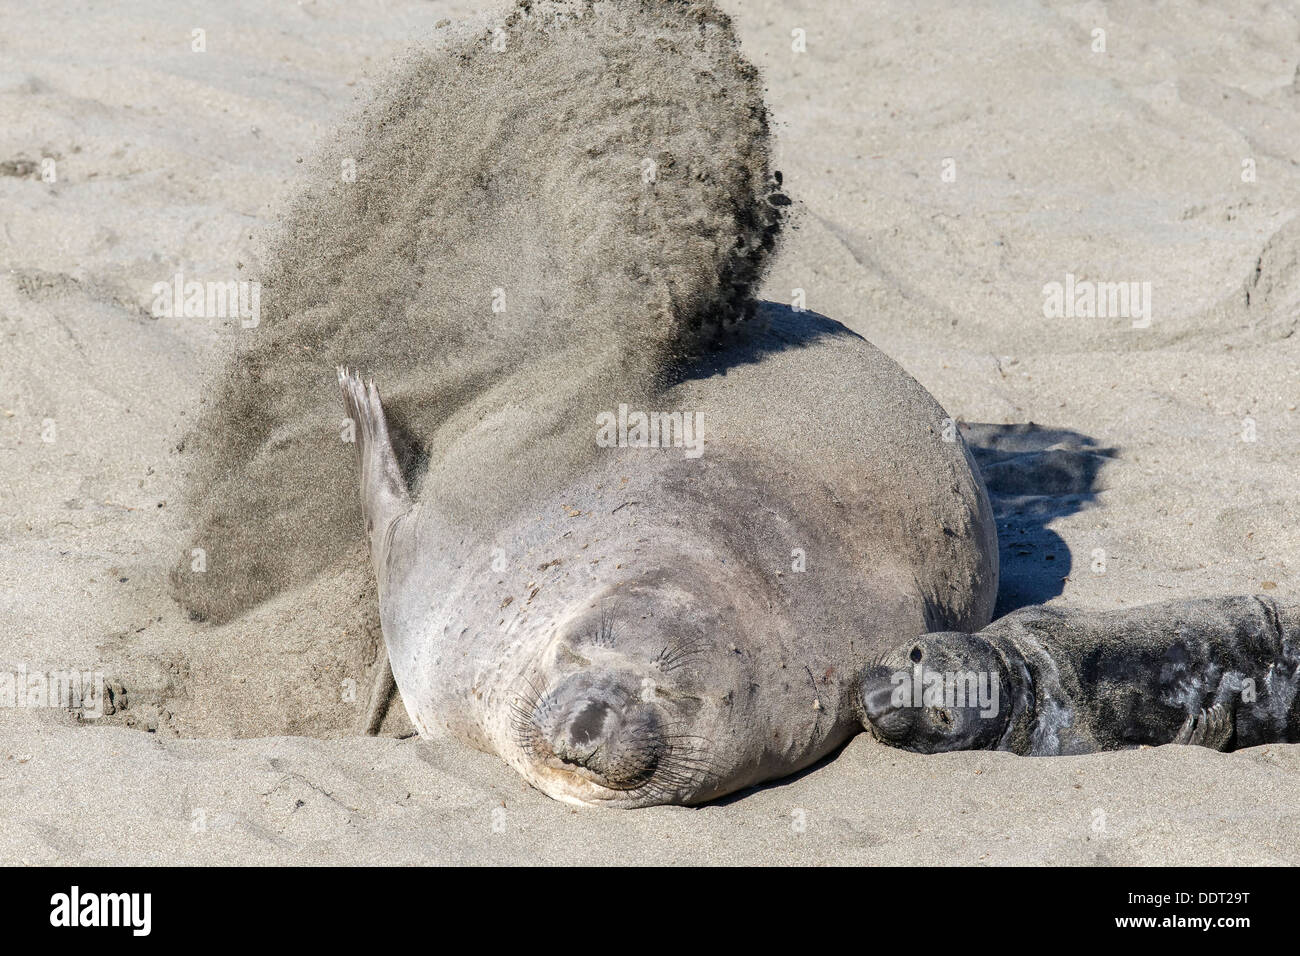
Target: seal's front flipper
(384, 497)
(1210, 728)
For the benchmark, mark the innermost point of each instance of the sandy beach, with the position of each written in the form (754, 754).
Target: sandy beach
(946, 165)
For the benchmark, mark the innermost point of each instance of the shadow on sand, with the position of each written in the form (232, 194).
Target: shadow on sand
(1034, 475)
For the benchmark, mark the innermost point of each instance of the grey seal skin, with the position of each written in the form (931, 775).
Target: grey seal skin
(1218, 672)
(643, 637)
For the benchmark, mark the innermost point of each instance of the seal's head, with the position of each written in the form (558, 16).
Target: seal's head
(946, 691)
(625, 705)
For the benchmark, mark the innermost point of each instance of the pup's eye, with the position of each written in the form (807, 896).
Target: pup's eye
(915, 655)
(944, 716)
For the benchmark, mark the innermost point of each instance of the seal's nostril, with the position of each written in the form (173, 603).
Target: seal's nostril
(877, 701)
(589, 724)
(881, 714)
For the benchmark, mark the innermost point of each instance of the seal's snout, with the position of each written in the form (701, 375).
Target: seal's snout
(583, 731)
(592, 726)
(876, 701)
(880, 714)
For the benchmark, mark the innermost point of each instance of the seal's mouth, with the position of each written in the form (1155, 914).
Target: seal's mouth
(618, 772)
(583, 784)
(576, 785)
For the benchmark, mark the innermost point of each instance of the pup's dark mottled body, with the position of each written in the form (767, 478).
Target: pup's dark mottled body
(1222, 672)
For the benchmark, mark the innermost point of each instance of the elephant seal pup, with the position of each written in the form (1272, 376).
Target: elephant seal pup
(643, 635)
(1220, 672)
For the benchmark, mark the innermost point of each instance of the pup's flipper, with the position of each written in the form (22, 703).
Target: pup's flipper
(1210, 728)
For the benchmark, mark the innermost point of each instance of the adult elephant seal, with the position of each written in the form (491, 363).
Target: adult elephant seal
(1219, 672)
(628, 534)
(667, 626)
